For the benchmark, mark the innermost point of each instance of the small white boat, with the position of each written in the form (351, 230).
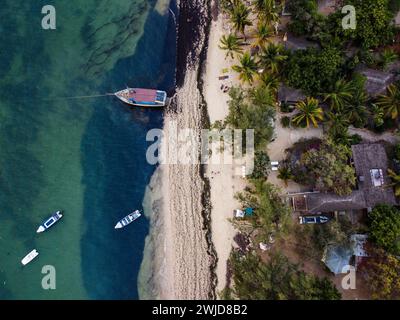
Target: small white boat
(50, 221)
(29, 257)
(128, 219)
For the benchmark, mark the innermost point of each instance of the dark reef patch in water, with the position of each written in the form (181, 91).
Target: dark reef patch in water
(115, 167)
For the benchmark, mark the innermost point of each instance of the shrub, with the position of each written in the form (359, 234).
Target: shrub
(278, 279)
(286, 107)
(384, 227)
(328, 168)
(285, 121)
(249, 109)
(314, 70)
(373, 23)
(355, 139)
(262, 165)
(394, 5)
(397, 151)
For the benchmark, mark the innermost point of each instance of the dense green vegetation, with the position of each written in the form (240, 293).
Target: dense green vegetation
(261, 165)
(314, 70)
(315, 238)
(381, 271)
(336, 97)
(373, 23)
(324, 165)
(271, 213)
(277, 279)
(384, 227)
(373, 27)
(252, 108)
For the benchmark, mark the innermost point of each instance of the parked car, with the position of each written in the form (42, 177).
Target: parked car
(274, 165)
(313, 219)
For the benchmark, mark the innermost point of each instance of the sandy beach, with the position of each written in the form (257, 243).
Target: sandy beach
(179, 261)
(223, 182)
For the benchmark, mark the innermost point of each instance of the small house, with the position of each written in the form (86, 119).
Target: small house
(377, 81)
(370, 163)
(289, 95)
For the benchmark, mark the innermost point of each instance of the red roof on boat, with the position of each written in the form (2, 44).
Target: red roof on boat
(143, 94)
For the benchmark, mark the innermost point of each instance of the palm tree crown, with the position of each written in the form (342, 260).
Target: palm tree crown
(272, 56)
(390, 102)
(339, 95)
(266, 10)
(263, 33)
(309, 112)
(396, 182)
(262, 96)
(232, 44)
(285, 174)
(240, 17)
(247, 68)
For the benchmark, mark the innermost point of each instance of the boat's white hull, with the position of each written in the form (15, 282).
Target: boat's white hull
(138, 104)
(50, 222)
(40, 229)
(123, 96)
(128, 220)
(29, 257)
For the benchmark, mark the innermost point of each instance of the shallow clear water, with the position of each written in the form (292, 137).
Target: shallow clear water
(84, 156)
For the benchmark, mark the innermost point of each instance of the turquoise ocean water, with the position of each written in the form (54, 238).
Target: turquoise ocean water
(84, 156)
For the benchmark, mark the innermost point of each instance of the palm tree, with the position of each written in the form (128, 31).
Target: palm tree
(396, 182)
(338, 127)
(338, 122)
(378, 115)
(270, 80)
(339, 95)
(387, 57)
(262, 96)
(266, 10)
(390, 102)
(232, 44)
(272, 56)
(356, 109)
(263, 33)
(247, 68)
(309, 112)
(240, 17)
(228, 5)
(285, 174)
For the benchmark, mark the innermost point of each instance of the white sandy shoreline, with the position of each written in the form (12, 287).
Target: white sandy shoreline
(177, 263)
(224, 184)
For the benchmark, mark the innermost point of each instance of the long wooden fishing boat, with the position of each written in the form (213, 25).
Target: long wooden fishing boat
(148, 98)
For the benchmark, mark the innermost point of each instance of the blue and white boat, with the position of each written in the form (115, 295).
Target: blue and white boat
(50, 222)
(128, 219)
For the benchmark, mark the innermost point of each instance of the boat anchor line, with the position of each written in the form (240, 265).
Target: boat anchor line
(80, 97)
(173, 15)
